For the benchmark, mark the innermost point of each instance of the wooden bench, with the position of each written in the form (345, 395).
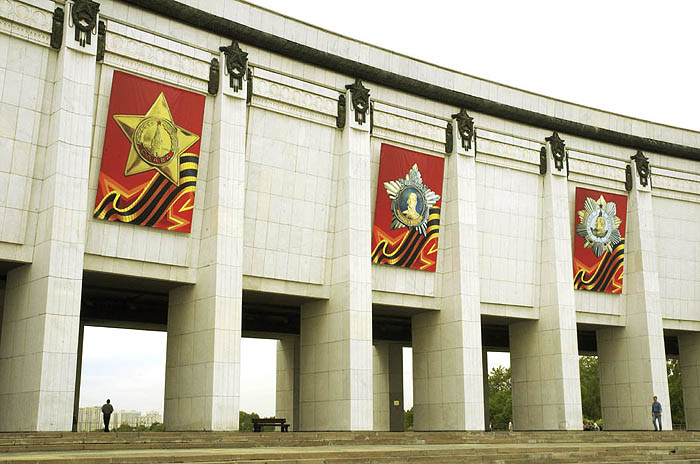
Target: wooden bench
(273, 421)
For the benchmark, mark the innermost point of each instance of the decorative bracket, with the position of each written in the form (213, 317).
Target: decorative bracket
(465, 128)
(340, 119)
(236, 65)
(371, 117)
(249, 87)
(628, 178)
(83, 17)
(449, 138)
(559, 152)
(57, 28)
(543, 160)
(359, 97)
(643, 169)
(101, 39)
(213, 87)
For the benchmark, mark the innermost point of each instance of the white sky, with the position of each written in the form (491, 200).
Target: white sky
(630, 57)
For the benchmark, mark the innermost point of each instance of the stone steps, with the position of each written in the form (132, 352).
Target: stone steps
(351, 447)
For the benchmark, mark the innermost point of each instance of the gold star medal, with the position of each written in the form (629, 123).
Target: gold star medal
(156, 142)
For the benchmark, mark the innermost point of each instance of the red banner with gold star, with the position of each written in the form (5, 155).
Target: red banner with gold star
(599, 240)
(407, 211)
(151, 154)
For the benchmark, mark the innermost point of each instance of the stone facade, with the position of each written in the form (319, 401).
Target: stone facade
(283, 217)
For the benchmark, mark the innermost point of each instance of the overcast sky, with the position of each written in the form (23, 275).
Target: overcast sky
(636, 58)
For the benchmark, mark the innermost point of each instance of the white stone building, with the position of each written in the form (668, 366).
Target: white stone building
(280, 241)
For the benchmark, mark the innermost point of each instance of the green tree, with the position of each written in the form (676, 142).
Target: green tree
(408, 419)
(156, 427)
(675, 392)
(500, 398)
(126, 428)
(590, 387)
(245, 421)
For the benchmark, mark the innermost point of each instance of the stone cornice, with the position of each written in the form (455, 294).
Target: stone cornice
(236, 31)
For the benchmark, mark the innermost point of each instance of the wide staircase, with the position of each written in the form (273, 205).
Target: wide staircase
(348, 447)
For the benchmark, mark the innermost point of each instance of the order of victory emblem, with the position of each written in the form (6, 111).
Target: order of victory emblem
(411, 201)
(599, 225)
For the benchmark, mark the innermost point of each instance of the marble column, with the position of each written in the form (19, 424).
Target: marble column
(388, 387)
(38, 351)
(202, 379)
(689, 347)
(487, 412)
(632, 358)
(447, 352)
(336, 334)
(544, 353)
(287, 386)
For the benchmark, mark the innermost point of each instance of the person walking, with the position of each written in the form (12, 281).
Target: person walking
(656, 414)
(107, 411)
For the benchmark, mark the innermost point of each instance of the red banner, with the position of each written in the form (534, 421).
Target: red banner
(407, 210)
(599, 240)
(151, 154)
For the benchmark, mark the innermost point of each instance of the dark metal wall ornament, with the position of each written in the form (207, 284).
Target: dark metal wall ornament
(236, 65)
(83, 16)
(249, 87)
(449, 136)
(214, 70)
(57, 28)
(371, 117)
(643, 169)
(558, 151)
(628, 178)
(359, 97)
(543, 160)
(101, 39)
(465, 128)
(340, 119)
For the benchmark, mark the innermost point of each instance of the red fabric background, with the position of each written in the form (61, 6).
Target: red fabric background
(585, 256)
(134, 96)
(394, 163)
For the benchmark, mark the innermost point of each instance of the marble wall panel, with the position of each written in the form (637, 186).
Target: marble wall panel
(25, 97)
(509, 229)
(677, 228)
(289, 163)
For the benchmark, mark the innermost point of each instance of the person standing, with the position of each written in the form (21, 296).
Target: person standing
(107, 411)
(656, 414)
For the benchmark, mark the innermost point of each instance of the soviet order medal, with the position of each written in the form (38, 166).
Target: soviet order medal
(598, 225)
(411, 201)
(156, 142)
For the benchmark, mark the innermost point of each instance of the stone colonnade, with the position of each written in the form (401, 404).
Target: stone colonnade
(330, 377)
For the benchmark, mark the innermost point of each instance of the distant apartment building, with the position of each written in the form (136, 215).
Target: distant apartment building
(91, 419)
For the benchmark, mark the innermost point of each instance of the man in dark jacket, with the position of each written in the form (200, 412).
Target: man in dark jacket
(656, 414)
(107, 411)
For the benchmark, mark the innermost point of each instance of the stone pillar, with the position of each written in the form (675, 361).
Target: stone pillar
(287, 396)
(39, 348)
(447, 356)
(388, 387)
(544, 353)
(336, 335)
(632, 358)
(487, 413)
(78, 376)
(689, 347)
(202, 379)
